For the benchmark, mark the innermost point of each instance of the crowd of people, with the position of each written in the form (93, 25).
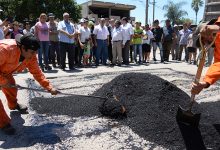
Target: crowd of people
(107, 42)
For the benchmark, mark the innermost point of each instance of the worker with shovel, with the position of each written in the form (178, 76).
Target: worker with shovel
(22, 48)
(213, 73)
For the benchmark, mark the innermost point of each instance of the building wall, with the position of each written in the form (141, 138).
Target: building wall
(212, 9)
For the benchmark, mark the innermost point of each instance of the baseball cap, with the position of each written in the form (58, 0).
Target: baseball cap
(28, 40)
(51, 15)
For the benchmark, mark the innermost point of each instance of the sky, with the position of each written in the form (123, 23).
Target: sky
(139, 12)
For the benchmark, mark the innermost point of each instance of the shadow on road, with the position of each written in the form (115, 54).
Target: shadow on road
(30, 135)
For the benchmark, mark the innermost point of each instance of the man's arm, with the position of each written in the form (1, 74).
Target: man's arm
(38, 74)
(212, 75)
(3, 57)
(61, 30)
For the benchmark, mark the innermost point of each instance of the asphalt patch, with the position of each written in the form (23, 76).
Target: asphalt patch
(151, 104)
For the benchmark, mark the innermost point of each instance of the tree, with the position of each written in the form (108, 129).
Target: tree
(31, 9)
(174, 11)
(196, 4)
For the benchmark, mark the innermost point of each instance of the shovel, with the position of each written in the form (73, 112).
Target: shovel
(187, 116)
(111, 105)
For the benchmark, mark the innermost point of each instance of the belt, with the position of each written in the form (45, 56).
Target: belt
(117, 41)
(102, 40)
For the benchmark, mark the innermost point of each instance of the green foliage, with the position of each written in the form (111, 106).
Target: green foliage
(196, 4)
(31, 9)
(174, 11)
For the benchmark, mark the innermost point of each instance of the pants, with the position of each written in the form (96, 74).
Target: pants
(125, 52)
(110, 57)
(131, 52)
(70, 49)
(101, 51)
(44, 49)
(138, 48)
(155, 45)
(175, 51)
(117, 51)
(54, 52)
(186, 53)
(167, 45)
(11, 96)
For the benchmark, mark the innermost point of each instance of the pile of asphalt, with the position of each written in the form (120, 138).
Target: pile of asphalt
(151, 105)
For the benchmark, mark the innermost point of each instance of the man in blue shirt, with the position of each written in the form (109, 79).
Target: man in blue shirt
(67, 33)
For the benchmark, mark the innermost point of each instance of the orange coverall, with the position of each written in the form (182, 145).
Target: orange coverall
(9, 63)
(213, 73)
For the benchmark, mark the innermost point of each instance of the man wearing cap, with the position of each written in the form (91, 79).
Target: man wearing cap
(213, 73)
(11, 51)
(54, 40)
(67, 33)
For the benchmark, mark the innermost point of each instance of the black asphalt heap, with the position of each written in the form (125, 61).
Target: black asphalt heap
(151, 104)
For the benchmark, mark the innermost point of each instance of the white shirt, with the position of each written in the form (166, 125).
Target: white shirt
(128, 29)
(101, 33)
(118, 34)
(84, 33)
(1, 31)
(148, 35)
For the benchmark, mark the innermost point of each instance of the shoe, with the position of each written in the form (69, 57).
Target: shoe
(54, 65)
(42, 68)
(155, 59)
(194, 62)
(22, 108)
(48, 68)
(72, 68)
(119, 65)
(8, 129)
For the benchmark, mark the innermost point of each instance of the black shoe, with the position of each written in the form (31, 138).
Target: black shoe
(22, 108)
(54, 65)
(119, 65)
(155, 59)
(72, 68)
(8, 129)
(48, 68)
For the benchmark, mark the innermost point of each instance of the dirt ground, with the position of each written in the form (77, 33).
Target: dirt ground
(151, 96)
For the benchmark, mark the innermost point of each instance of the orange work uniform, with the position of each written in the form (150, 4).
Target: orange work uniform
(9, 63)
(213, 73)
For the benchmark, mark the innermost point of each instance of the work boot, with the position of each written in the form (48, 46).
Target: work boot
(8, 129)
(22, 108)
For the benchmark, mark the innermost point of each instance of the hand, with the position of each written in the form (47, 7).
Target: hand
(82, 46)
(54, 91)
(208, 30)
(197, 88)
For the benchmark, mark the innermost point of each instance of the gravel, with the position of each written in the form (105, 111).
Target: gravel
(151, 104)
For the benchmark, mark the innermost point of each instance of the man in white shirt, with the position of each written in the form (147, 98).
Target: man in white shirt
(102, 41)
(83, 35)
(128, 29)
(117, 40)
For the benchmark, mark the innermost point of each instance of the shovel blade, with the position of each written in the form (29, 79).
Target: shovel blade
(187, 117)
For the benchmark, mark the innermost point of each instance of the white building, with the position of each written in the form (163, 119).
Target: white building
(212, 9)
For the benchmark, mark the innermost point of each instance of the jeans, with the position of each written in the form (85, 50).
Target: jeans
(101, 51)
(155, 45)
(44, 49)
(138, 47)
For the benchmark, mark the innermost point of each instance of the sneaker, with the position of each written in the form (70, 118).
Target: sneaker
(8, 129)
(22, 108)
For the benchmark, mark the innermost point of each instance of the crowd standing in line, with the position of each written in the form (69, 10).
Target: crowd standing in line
(107, 42)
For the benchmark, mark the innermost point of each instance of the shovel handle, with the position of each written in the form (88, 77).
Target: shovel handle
(200, 67)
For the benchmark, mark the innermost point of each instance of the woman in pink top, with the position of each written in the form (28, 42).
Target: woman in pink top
(42, 33)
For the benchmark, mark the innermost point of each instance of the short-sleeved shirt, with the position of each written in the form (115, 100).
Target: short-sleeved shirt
(101, 32)
(43, 31)
(1, 31)
(184, 36)
(168, 33)
(137, 40)
(157, 32)
(148, 35)
(67, 27)
(54, 35)
(84, 33)
(128, 29)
